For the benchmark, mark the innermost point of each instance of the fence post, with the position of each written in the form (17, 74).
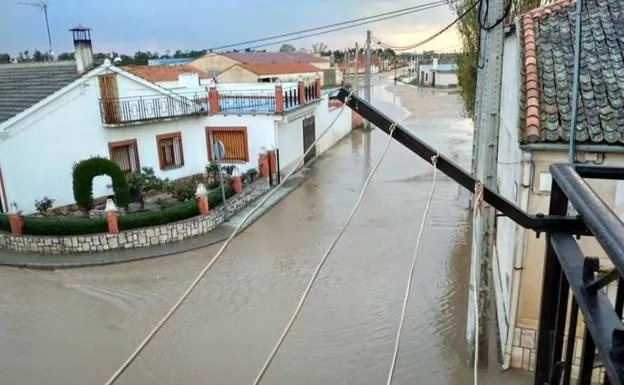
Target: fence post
(237, 181)
(279, 98)
(202, 199)
(301, 92)
(213, 100)
(263, 165)
(111, 217)
(317, 88)
(273, 171)
(16, 221)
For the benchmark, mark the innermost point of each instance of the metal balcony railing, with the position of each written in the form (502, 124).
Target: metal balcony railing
(247, 101)
(145, 108)
(566, 269)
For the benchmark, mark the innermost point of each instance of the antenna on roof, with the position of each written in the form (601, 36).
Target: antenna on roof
(44, 6)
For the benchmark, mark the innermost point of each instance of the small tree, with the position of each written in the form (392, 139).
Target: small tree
(145, 182)
(287, 48)
(83, 174)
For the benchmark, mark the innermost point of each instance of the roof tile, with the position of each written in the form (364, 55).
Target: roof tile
(164, 73)
(548, 37)
(279, 68)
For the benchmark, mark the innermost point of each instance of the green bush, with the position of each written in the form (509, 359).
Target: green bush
(5, 225)
(64, 225)
(83, 174)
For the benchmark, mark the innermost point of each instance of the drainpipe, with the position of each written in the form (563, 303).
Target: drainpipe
(518, 261)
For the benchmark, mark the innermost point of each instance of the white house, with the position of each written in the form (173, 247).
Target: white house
(55, 114)
(438, 75)
(534, 126)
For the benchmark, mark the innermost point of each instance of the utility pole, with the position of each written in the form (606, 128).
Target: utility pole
(485, 164)
(357, 68)
(367, 72)
(44, 7)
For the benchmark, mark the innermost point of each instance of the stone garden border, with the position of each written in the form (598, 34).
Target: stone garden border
(137, 238)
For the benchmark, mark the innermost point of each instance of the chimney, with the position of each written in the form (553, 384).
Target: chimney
(83, 52)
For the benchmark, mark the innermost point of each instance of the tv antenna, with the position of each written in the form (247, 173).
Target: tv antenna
(44, 6)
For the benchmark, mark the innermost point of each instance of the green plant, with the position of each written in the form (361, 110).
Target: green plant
(170, 214)
(213, 170)
(44, 204)
(64, 225)
(145, 182)
(5, 225)
(83, 174)
(252, 173)
(184, 191)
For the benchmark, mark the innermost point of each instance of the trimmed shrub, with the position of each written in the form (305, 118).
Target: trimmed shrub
(64, 225)
(83, 174)
(5, 225)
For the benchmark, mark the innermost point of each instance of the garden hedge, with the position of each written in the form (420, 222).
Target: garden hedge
(58, 226)
(5, 225)
(83, 174)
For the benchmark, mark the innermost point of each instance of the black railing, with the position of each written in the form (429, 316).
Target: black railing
(291, 98)
(566, 269)
(143, 108)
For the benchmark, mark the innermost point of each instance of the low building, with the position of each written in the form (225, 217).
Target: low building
(437, 74)
(215, 63)
(269, 73)
(535, 118)
(172, 61)
(53, 115)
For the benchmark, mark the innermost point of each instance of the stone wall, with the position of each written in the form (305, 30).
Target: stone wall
(144, 237)
(524, 349)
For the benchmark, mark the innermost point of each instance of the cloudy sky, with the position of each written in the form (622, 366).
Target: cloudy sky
(157, 25)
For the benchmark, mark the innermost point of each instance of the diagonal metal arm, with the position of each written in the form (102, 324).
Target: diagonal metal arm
(538, 222)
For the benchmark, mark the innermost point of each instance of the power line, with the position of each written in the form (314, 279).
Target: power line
(203, 272)
(419, 8)
(427, 40)
(306, 292)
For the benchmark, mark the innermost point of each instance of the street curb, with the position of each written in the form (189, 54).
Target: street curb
(46, 262)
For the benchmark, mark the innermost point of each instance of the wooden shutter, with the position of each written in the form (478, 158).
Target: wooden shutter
(109, 97)
(235, 143)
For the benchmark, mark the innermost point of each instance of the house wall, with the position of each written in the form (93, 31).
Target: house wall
(38, 155)
(237, 74)
(213, 62)
(444, 79)
(611, 192)
(324, 65)
(509, 185)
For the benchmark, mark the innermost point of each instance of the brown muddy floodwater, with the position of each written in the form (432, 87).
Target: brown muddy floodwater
(75, 327)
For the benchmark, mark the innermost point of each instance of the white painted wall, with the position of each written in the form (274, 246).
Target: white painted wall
(509, 181)
(38, 156)
(324, 117)
(290, 143)
(444, 79)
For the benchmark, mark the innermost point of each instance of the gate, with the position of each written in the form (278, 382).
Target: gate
(309, 136)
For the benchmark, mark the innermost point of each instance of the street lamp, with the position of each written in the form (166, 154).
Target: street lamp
(44, 6)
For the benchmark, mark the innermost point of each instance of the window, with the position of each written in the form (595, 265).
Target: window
(234, 141)
(125, 154)
(170, 153)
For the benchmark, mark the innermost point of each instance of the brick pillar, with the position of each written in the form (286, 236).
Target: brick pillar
(317, 87)
(301, 92)
(263, 165)
(279, 99)
(237, 183)
(17, 223)
(213, 100)
(202, 199)
(273, 166)
(111, 217)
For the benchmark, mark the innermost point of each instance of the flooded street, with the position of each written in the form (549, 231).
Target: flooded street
(75, 327)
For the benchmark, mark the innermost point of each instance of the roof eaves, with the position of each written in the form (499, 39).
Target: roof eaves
(529, 57)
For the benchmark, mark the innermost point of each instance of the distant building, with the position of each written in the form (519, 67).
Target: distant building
(169, 61)
(269, 73)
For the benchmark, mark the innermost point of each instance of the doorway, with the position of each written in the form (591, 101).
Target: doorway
(309, 136)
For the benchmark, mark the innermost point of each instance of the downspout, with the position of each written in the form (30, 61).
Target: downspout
(518, 260)
(575, 80)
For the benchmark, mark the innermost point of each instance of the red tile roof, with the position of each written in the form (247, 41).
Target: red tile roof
(279, 68)
(164, 73)
(278, 57)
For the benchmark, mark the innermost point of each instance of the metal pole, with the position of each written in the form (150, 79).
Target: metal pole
(575, 80)
(487, 124)
(357, 69)
(45, 12)
(217, 159)
(367, 71)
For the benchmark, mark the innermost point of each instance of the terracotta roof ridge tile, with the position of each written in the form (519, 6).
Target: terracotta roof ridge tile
(545, 10)
(532, 129)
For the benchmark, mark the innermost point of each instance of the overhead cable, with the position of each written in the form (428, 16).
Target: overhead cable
(306, 292)
(430, 38)
(203, 272)
(341, 26)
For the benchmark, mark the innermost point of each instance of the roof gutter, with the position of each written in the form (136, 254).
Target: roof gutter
(602, 148)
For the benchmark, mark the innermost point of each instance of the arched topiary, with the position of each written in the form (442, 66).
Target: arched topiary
(83, 174)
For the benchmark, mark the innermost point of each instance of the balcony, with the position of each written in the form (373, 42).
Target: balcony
(157, 107)
(225, 99)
